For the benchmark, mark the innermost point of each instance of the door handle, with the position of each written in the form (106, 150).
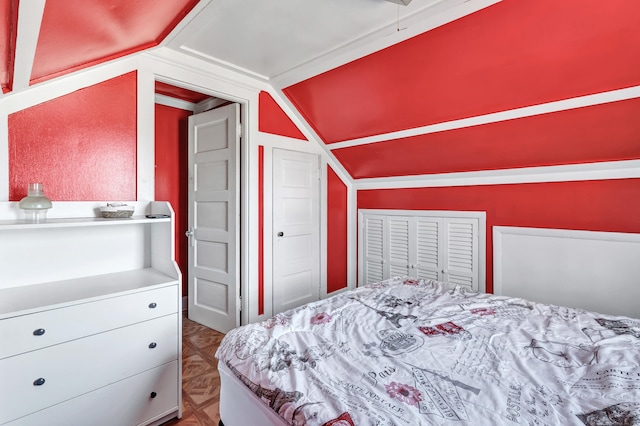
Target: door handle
(190, 234)
(280, 234)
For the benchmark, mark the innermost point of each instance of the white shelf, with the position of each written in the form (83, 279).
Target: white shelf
(77, 221)
(22, 300)
(95, 284)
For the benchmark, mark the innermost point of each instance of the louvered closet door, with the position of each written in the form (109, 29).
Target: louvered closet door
(428, 240)
(422, 244)
(373, 247)
(461, 251)
(399, 262)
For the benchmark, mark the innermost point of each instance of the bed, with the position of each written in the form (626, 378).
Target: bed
(408, 351)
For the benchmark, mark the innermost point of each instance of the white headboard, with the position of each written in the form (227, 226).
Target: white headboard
(597, 271)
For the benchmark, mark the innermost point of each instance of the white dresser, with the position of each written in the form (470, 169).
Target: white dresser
(90, 319)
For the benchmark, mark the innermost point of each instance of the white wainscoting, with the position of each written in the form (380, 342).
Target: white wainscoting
(597, 271)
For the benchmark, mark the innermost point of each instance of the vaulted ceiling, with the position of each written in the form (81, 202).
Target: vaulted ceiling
(373, 78)
(276, 40)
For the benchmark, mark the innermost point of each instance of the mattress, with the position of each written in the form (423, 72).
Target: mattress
(408, 351)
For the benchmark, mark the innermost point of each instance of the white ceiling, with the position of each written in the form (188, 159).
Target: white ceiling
(286, 41)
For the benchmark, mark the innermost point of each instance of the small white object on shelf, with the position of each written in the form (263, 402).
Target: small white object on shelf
(35, 204)
(117, 211)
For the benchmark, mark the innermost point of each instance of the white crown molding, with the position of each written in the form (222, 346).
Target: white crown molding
(626, 169)
(426, 19)
(207, 70)
(29, 21)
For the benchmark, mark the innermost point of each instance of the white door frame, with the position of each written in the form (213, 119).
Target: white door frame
(270, 142)
(247, 98)
(292, 232)
(218, 132)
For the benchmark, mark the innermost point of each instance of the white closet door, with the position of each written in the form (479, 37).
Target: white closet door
(373, 248)
(461, 251)
(428, 240)
(443, 246)
(398, 246)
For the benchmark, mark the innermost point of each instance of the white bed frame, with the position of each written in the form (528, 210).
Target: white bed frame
(597, 271)
(239, 406)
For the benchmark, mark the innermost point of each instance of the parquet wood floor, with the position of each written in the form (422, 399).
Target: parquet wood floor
(200, 379)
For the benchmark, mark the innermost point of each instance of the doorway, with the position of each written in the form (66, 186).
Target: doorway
(214, 206)
(174, 106)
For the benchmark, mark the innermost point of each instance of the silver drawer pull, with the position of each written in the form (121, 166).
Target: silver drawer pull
(152, 345)
(38, 332)
(152, 305)
(153, 395)
(38, 382)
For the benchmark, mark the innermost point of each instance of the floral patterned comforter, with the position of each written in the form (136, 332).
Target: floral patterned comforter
(420, 352)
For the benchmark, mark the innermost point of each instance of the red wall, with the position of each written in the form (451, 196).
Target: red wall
(605, 132)
(272, 119)
(337, 254)
(171, 174)
(600, 205)
(78, 35)
(512, 54)
(9, 19)
(81, 146)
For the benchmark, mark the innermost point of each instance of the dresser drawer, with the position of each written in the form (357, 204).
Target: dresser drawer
(42, 378)
(34, 331)
(125, 403)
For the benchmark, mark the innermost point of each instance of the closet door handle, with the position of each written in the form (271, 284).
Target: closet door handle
(153, 305)
(38, 332)
(280, 234)
(38, 382)
(152, 345)
(153, 395)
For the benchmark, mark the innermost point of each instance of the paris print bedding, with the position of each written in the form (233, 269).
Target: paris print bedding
(420, 352)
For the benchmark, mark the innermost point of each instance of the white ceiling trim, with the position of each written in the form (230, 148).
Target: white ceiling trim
(185, 23)
(409, 26)
(626, 169)
(174, 102)
(206, 69)
(565, 104)
(29, 20)
(222, 63)
(197, 28)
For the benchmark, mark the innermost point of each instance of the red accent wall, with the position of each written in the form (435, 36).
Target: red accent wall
(605, 132)
(512, 54)
(337, 277)
(9, 19)
(171, 174)
(260, 230)
(179, 93)
(74, 36)
(600, 205)
(272, 119)
(81, 146)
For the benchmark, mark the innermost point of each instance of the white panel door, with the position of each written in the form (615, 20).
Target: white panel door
(214, 231)
(296, 225)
